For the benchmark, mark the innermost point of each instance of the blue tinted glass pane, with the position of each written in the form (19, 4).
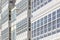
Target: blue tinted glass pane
(45, 28)
(58, 31)
(54, 25)
(45, 35)
(34, 33)
(49, 20)
(53, 32)
(42, 5)
(49, 24)
(38, 23)
(38, 38)
(54, 13)
(42, 21)
(54, 17)
(34, 25)
(45, 18)
(49, 16)
(58, 13)
(49, 34)
(45, 21)
(41, 30)
(34, 3)
(58, 20)
(38, 7)
(45, 3)
(49, 27)
(38, 2)
(49, 0)
(38, 31)
(41, 37)
(54, 22)
(41, 1)
(58, 25)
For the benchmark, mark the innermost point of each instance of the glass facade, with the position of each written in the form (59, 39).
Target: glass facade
(48, 25)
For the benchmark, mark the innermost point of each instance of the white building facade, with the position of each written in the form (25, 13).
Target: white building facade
(21, 19)
(45, 20)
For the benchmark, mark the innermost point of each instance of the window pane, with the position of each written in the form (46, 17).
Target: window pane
(38, 23)
(34, 25)
(34, 33)
(41, 30)
(49, 0)
(38, 30)
(45, 35)
(54, 25)
(49, 18)
(49, 34)
(41, 1)
(49, 27)
(58, 13)
(42, 21)
(54, 15)
(58, 31)
(45, 19)
(53, 32)
(45, 28)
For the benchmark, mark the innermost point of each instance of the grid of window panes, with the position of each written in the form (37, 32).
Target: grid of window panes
(46, 26)
(36, 4)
